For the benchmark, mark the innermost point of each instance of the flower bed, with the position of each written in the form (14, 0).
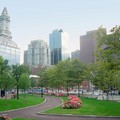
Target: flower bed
(73, 102)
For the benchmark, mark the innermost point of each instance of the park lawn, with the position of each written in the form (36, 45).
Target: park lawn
(90, 106)
(22, 102)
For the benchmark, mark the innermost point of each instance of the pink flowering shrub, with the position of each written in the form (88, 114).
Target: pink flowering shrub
(73, 102)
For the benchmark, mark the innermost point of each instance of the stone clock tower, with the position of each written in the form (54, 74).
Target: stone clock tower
(5, 24)
(8, 49)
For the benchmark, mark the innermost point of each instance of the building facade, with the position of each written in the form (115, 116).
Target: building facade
(59, 48)
(8, 49)
(88, 46)
(37, 54)
(75, 54)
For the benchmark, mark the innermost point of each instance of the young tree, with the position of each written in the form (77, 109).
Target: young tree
(51, 77)
(1, 67)
(6, 79)
(62, 74)
(33, 84)
(108, 57)
(24, 82)
(77, 72)
(17, 71)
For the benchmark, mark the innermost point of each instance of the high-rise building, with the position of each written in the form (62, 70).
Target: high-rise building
(75, 54)
(25, 57)
(88, 46)
(37, 54)
(8, 49)
(59, 48)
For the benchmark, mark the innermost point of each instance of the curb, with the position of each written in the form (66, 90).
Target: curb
(84, 116)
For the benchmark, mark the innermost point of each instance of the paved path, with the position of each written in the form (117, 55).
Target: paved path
(30, 112)
(51, 102)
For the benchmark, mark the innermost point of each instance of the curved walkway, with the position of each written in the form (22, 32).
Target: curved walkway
(30, 112)
(51, 102)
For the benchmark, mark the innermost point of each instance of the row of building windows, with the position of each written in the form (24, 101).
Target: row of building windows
(11, 54)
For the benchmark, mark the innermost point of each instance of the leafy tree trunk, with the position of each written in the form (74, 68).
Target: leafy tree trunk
(5, 97)
(102, 94)
(67, 88)
(107, 95)
(24, 94)
(17, 91)
(32, 90)
(58, 89)
(78, 90)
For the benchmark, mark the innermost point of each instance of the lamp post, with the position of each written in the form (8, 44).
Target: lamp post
(17, 79)
(41, 89)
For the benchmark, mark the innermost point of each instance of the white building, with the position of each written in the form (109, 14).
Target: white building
(8, 49)
(37, 54)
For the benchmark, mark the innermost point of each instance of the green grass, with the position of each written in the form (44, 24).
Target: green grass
(22, 102)
(90, 107)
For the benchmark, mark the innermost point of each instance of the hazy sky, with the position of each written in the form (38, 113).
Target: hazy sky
(35, 19)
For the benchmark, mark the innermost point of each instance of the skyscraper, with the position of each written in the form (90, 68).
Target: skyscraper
(37, 54)
(59, 48)
(8, 49)
(88, 46)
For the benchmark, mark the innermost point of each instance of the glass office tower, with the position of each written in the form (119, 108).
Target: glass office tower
(8, 49)
(59, 46)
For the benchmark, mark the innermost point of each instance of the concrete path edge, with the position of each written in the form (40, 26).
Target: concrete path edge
(71, 115)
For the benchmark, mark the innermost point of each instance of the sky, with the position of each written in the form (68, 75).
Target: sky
(36, 19)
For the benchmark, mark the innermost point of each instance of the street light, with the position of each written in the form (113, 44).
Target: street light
(41, 89)
(17, 79)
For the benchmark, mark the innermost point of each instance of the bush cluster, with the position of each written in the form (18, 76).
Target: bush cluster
(72, 103)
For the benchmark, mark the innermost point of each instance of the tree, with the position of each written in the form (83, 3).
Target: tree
(1, 68)
(24, 82)
(51, 77)
(33, 84)
(77, 72)
(43, 79)
(17, 71)
(62, 74)
(66, 74)
(43, 76)
(108, 57)
(108, 50)
(100, 77)
(6, 79)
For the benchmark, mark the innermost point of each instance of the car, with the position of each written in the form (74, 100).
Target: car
(96, 93)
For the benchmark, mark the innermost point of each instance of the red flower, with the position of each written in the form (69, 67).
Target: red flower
(74, 102)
